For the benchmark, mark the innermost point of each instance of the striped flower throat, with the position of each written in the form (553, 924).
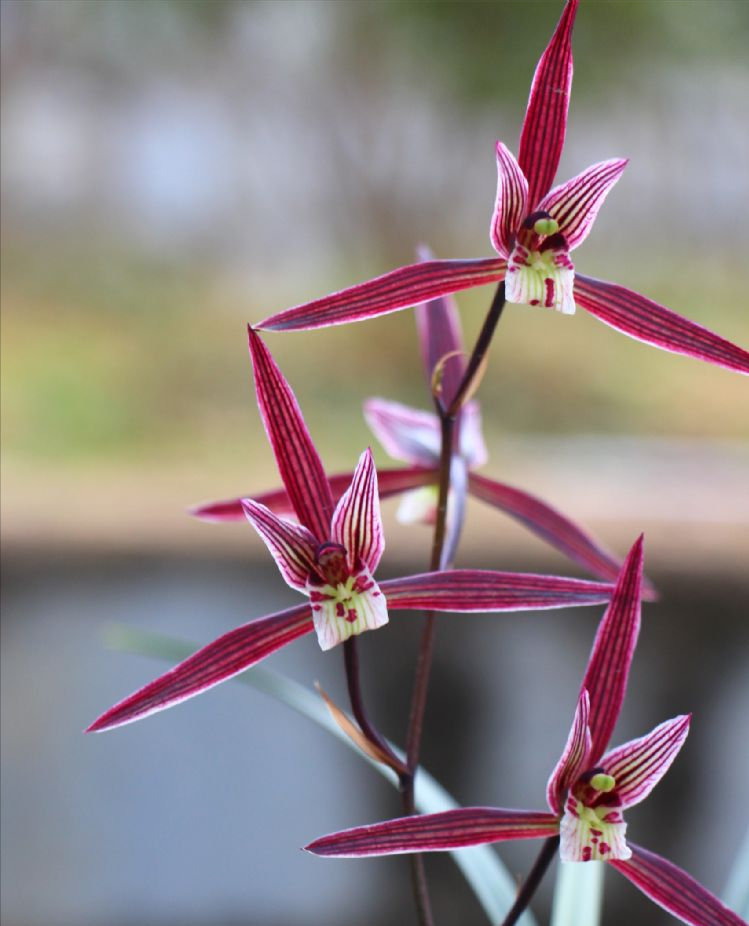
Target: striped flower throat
(540, 271)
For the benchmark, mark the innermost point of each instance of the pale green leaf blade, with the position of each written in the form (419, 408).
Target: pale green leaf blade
(578, 894)
(490, 881)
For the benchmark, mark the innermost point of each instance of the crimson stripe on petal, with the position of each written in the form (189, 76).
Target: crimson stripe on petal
(574, 756)
(291, 545)
(575, 204)
(673, 889)
(399, 289)
(356, 521)
(510, 205)
(545, 123)
(647, 321)
(466, 590)
(452, 829)
(639, 765)
(608, 667)
(225, 657)
(390, 482)
(549, 524)
(298, 463)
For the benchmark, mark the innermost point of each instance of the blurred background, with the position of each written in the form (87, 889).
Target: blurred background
(172, 169)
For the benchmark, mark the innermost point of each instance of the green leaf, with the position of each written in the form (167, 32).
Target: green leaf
(578, 894)
(736, 891)
(492, 884)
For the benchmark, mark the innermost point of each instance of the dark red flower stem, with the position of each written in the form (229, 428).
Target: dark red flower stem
(532, 881)
(353, 680)
(447, 416)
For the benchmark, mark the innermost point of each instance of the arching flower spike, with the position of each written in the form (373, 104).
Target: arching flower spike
(588, 791)
(534, 230)
(330, 556)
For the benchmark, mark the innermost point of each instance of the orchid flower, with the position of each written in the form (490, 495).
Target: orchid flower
(413, 436)
(534, 229)
(588, 791)
(330, 556)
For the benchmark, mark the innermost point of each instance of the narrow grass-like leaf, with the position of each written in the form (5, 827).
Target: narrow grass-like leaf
(736, 892)
(493, 885)
(578, 894)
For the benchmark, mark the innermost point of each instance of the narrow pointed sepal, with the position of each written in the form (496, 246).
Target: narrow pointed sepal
(472, 446)
(438, 329)
(406, 433)
(291, 545)
(477, 590)
(592, 834)
(452, 829)
(673, 889)
(639, 765)
(356, 522)
(511, 202)
(574, 205)
(220, 660)
(647, 321)
(608, 667)
(545, 123)
(347, 609)
(574, 756)
(390, 482)
(399, 289)
(299, 465)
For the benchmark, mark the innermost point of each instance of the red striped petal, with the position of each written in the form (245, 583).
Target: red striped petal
(406, 433)
(357, 524)
(575, 204)
(291, 545)
(299, 465)
(438, 328)
(608, 666)
(399, 289)
(466, 590)
(673, 889)
(574, 757)
(645, 320)
(435, 832)
(391, 482)
(551, 525)
(639, 765)
(225, 657)
(511, 203)
(545, 124)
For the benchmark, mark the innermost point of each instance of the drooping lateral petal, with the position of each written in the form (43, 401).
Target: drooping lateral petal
(220, 660)
(574, 756)
(399, 289)
(435, 832)
(549, 524)
(477, 590)
(510, 205)
(639, 765)
(645, 320)
(390, 482)
(472, 446)
(456, 511)
(438, 328)
(299, 465)
(542, 137)
(608, 667)
(291, 545)
(406, 433)
(673, 889)
(575, 204)
(356, 522)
